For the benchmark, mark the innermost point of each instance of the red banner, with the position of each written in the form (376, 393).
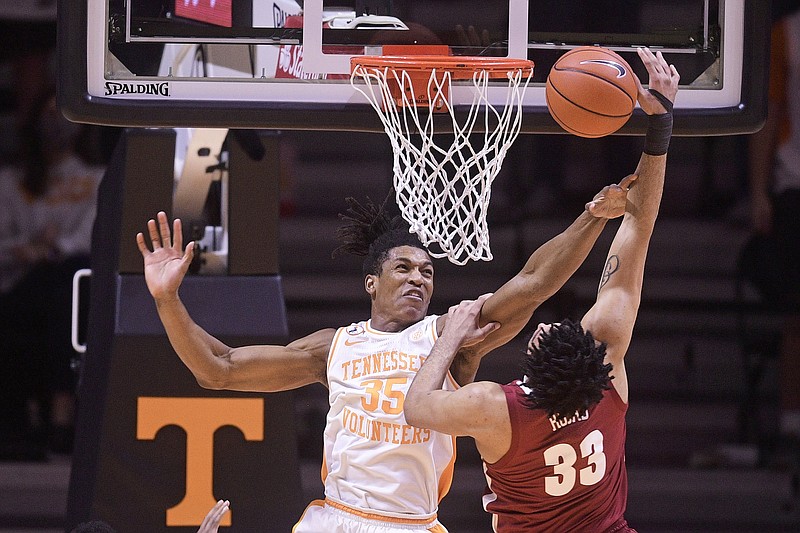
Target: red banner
(217, 12)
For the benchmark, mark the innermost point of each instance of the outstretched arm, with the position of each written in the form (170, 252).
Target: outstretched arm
(214, 364)
(612, 317)
(553, 263)
(470, 410)
(545, 272)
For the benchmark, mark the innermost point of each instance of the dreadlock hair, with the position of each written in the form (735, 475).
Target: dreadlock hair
(565, 372)
(369, 231)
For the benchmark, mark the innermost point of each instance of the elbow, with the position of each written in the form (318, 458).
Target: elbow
(414, 413)
(210, 383)
(215, 376)
(413, 420)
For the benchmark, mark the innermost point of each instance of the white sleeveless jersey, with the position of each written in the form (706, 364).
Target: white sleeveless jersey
(374, 461)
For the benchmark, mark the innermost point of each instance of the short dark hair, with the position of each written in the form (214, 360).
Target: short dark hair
(566, 371)
(369, 230)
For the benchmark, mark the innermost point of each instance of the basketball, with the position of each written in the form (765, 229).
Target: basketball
(591, 91)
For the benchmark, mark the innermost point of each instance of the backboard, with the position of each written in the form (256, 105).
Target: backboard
(277, 64)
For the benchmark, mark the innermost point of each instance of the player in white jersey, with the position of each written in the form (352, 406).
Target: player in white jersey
(365, 427)
(382, 475)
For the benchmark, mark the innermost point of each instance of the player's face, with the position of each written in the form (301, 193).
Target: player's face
(542, 329)
(402, 292)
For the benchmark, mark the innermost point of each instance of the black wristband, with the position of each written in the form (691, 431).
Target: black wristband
(659, 128)
(663, 99)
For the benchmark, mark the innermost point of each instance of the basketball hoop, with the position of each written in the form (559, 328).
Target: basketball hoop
(443, 192)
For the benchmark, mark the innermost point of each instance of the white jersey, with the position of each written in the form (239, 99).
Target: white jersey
(374, 461)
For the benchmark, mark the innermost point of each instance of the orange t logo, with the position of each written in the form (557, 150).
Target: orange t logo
(199, 418)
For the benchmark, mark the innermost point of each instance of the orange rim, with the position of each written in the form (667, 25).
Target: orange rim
(460, 67)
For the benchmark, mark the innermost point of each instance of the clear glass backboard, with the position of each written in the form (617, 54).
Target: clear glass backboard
(284, 64)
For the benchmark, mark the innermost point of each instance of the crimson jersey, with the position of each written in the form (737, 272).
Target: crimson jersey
(560, 473)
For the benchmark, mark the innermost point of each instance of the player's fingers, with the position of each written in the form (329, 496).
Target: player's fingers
(474, 306)
(488, 328)
(220, 509)
(209, 517)
(645, 54)
(598, 201)
(163, 226)
(177, 234)
(140, 243)
(462, 35)
(474, 39)
(188, 253)
(152, 231)
(469, 305)
(595, 208)
(654, 63)
(658, 59)
(213, 517)
(627, 181)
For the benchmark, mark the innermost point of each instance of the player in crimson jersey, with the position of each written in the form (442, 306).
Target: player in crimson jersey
(553, 442)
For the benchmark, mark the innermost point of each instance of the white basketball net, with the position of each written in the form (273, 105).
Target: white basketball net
(443, 192)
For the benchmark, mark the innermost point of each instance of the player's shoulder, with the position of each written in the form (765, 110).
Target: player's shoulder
(483, 393)
(318, 340)
(325, 333)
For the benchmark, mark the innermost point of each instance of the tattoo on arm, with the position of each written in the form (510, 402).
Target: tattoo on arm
(612, 265)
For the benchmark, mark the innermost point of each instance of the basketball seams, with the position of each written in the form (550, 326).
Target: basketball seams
(588, 110)
(583, 95)
(573, 130)
(597, 77)
(606, 54)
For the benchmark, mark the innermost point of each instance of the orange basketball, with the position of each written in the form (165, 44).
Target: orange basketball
(591, 91)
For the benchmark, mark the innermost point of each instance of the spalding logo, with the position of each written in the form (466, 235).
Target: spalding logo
(621, 70)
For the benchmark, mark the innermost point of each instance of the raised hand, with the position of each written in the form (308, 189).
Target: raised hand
(473, 42)
(211, 521)
(462, 322)
(166, 266)
(610, 201)
(664, 78)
